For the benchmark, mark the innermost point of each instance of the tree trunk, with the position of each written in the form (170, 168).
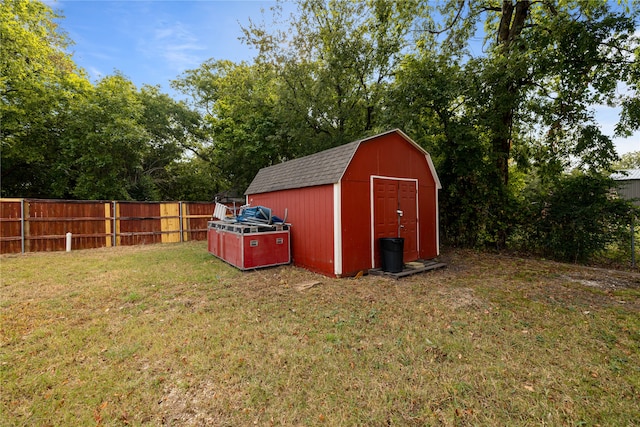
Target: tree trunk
(509, 29)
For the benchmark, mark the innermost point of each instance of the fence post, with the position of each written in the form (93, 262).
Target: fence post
(633, 242)
(22, 225)
(180, 218)
(108, 239)
(115, 230)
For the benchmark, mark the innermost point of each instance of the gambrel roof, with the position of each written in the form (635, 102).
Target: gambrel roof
(324, 167)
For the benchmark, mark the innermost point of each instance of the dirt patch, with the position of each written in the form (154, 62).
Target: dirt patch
(189, 405)
(604, 279)
(461, 298)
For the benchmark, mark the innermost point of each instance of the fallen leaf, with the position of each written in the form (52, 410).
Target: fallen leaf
(306, 285)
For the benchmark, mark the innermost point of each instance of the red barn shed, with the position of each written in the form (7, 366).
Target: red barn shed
(342, 200)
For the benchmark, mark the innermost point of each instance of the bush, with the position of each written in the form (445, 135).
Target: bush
(574, 218)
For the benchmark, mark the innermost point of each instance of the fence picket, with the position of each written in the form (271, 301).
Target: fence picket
(32, 225)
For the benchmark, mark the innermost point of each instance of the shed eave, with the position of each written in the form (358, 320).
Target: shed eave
(247, 193)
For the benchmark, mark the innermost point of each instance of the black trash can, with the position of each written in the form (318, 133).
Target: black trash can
(391, 249)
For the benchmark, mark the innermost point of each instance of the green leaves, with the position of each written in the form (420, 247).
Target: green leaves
(241, 107)
(105, 140)
(334, 66)
(65, 137)
(38, 81)
(574, 218)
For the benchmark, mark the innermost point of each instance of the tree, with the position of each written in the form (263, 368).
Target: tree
(575, 218)
(334, 66)
(240, 105)
(628, 161)
(523, 105)
(431, 97)
(547, 64)
(175, 134)
(630, 118)
(104, 143)
(191, 179)
(38, 83)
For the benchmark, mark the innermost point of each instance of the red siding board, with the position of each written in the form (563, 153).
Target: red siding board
(428, 221)
(356, 227)
(310, 211)
(392, 156)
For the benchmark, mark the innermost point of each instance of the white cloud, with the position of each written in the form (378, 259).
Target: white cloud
(95, 74)
(627, 145)
(174, 44)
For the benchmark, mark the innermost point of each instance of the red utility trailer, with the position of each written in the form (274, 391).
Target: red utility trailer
(249, 246)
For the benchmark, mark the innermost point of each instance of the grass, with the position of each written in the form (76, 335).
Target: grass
(169, 335)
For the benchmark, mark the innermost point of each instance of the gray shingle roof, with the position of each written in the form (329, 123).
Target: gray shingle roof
(325, 167)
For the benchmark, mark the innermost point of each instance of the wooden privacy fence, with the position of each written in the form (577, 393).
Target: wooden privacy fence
(33, 225)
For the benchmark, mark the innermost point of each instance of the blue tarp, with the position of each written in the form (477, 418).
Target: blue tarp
(258, 214)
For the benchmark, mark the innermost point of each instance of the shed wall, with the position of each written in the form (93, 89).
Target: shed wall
(356, 227)
(390, 156)
(429, 232)
(310, 211)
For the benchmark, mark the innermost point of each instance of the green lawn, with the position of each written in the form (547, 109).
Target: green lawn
(169, 335)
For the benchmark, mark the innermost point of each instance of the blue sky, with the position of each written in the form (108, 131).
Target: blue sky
(153, 42)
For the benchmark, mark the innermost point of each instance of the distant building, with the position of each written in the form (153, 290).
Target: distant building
(629, 184)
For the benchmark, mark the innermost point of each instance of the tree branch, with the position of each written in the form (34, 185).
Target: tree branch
(452, 23)
(522, 13)
(505, 22)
